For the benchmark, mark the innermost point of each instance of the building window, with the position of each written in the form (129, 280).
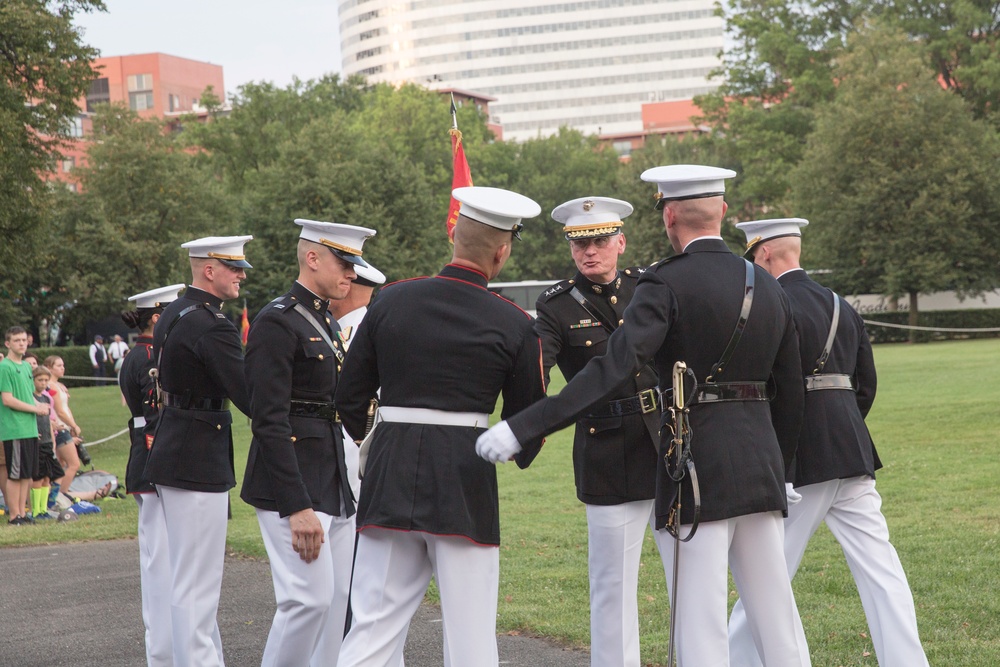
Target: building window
(74, 127)
(140, 82)
(140, 92)
(173, 102)
(623, 148)
(99, 93)
(68, 164)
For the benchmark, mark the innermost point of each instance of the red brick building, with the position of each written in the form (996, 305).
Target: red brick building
(151, 84)
(658, 119)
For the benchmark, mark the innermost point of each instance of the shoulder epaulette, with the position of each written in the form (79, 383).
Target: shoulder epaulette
(635, 272)
(562, 287)
(282, 303)
(665, 261)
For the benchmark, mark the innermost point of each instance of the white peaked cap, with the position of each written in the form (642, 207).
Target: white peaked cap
(687, 181)
(759, 231)
(588, 217)
(226, 249)
(369, 275)
(155, 298)
(498, 208)
(345, 241)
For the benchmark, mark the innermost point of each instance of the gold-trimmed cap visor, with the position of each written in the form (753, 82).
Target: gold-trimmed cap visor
(590, 217)
(345, 241)
(226, 249)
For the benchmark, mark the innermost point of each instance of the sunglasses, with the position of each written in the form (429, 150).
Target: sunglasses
(600, 242)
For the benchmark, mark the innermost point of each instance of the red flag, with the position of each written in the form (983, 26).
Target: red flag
(244, 324)
(461, 176)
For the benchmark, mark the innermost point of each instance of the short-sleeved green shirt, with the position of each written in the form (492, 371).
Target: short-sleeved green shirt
(15, 379)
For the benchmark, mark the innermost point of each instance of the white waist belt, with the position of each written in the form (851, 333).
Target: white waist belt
(138, 422)
(434, 417)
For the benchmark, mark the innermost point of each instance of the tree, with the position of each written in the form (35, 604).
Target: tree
(264, 116)
(142, 196)
(45, 68)
(783, 62)
(550, 170)
(329, 171)
(899, 180)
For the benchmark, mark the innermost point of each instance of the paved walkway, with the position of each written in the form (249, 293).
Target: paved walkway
(77, 605)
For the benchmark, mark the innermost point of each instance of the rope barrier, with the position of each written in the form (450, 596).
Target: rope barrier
(90, 378)
(110, 437)
(916, 328)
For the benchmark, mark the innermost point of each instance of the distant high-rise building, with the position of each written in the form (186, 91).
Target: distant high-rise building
(585, 64)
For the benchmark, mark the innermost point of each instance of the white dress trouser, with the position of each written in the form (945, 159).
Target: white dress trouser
(311, 598)
(391, 574)
(154, 579)
(852, 509)
(196, 533)
(615, 534)
(750, 546)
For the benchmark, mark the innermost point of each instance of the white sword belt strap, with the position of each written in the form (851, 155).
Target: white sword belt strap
(433, 417)
(820, 380)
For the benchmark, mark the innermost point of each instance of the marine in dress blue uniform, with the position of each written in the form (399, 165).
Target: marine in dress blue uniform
(349, 312)
(296, 476)
(139, 390)
(615, 443)
(442, 349)
(836, 460)
(686, 309)
(200, 364)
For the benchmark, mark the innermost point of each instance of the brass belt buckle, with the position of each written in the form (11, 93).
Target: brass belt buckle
(647, 401)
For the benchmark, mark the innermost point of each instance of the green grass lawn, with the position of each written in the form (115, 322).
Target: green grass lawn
(935, 423)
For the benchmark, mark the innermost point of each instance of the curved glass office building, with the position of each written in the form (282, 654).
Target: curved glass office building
(586, 64)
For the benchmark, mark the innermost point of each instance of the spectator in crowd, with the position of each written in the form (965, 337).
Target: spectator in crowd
(18, 425)
(98, 356)
(48, 464)
(67, 430)
(117, 351)
(32, 360)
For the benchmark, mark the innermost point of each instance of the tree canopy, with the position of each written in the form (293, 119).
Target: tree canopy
(44, 68)
(875, 119)
(897, 179)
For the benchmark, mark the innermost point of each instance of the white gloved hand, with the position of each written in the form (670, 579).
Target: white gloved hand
(791, 494)
(498, 444)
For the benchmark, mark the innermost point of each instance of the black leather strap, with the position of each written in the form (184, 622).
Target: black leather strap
(721, 392)
(741, 324)
(314, 409)
(610, 326)
(183, 402)
(189, 309)
(643, 402)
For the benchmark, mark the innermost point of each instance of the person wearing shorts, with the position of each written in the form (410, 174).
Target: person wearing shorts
(18, 425)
